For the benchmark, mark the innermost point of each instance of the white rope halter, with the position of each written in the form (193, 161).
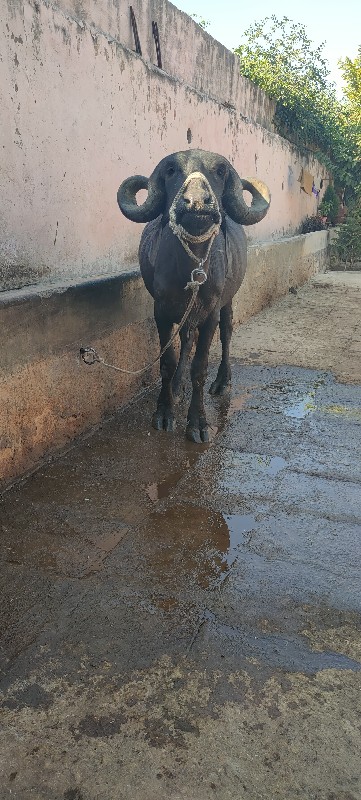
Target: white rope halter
(183, 235)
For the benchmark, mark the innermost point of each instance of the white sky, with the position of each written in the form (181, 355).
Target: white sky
(336, 23)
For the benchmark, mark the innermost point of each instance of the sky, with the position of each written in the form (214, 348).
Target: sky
(336, 23)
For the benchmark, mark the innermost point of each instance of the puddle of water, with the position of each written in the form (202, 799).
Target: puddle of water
(161, 489)
(238, 526)
(158, 491)
(239, 470)
(230, 404)
(287, 652)
(194, 543)
(110, 542)
(272, 465)
(301, 408)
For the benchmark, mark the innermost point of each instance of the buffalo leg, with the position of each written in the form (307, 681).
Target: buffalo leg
(187, 339)
(223, 379)
(163, 417)
(197, 428)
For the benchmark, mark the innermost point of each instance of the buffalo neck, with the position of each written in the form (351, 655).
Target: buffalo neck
(184, 263)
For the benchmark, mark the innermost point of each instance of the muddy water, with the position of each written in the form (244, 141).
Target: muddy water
(68, 518)
(167, 606)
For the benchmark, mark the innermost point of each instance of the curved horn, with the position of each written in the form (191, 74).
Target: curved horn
(152, 206)
(235, 205)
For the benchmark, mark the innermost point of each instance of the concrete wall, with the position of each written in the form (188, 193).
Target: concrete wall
(80, 112)
(198, 61)
(48, 396)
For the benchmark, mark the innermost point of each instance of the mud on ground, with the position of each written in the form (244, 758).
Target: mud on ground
(183, 622)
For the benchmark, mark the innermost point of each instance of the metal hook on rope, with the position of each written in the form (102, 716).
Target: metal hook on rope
(89, 356)
(199, 271)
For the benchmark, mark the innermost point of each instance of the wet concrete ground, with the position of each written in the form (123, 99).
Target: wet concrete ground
(183, 621)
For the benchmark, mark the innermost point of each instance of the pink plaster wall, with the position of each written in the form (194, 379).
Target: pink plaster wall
(199, 60)
(80, 112)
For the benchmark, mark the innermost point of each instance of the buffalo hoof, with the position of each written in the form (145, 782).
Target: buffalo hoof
(220, 387)
(163, 421)
(197, 435)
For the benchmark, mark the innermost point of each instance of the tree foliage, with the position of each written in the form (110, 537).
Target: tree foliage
(203, 23)
(347, 247)
(330, 205)
(351, 73)
(279, 57)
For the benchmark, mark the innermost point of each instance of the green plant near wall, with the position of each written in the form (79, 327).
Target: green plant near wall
(330, 205)
(311, 224)
(346, 249)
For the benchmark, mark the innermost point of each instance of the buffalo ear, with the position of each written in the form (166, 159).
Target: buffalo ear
(235, 205)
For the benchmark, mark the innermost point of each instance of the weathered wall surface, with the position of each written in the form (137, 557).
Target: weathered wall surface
(188, 52)
(80, 112)
(48, 396)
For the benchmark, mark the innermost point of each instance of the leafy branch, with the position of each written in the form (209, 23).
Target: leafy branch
(279, 57)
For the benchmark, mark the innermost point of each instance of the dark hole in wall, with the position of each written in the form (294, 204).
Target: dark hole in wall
(189, 135)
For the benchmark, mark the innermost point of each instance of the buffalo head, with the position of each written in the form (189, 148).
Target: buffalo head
(199, 187)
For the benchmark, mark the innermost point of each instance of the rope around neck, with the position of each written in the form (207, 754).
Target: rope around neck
(184, 236)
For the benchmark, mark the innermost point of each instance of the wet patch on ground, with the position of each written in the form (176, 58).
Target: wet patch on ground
(185, 621)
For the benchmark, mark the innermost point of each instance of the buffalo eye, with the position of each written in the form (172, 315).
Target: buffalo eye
(221, 170)
(170, 171)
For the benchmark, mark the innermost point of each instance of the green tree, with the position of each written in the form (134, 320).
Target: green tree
(330, 204)
(351, 73)
(279, 57)
(347, 247)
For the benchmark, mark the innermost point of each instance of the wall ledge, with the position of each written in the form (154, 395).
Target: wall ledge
(48, 397)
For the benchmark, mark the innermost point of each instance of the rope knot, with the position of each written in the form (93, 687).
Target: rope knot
(194, 285)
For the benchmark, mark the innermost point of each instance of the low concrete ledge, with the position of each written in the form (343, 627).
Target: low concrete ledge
(48, 320)
(274, 267)
(48, 396)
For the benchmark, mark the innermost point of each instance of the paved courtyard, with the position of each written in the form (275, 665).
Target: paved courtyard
(183, 622)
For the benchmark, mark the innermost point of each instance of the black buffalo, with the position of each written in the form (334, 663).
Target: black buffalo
(195, 211)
